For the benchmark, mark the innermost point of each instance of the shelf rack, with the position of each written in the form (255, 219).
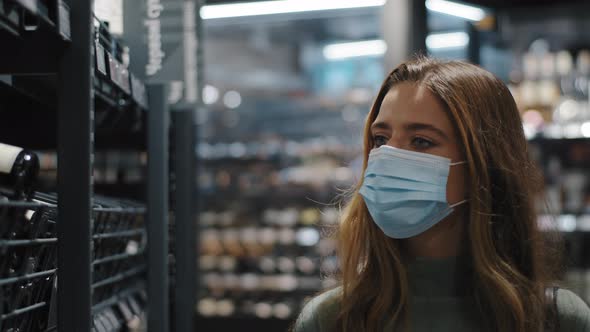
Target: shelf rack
(54, 43)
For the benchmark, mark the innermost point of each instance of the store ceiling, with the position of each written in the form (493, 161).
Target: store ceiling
(486, 3)
(259, 49)
(519, 3)
(209, 2)
(265, 55)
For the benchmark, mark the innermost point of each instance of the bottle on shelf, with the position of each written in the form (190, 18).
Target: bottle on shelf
(565, 65)
(225, 308)
(582, 75)
(306, 265)
(286, 264)
(267, 265)
(19, 169)
(284, 309)
(539, 90)
(263, 310)
(567, 107)
(582, 85)
(548, 89)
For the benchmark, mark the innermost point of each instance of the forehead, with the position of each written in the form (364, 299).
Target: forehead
(411, 102)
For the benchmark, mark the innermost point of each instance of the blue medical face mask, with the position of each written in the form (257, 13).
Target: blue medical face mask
(406, 191)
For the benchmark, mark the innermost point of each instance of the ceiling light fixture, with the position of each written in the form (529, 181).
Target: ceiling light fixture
(449, 40)
(355, 49)
(282, 7)
(470, 13)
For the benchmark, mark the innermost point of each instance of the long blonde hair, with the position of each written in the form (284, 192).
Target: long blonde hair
(504, 244)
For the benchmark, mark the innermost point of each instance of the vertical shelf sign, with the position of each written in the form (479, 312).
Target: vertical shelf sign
(163, 38)
(153, 32)
(189, 23)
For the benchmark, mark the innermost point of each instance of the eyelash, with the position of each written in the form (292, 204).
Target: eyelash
(376, 138)
(429, 143)
(416, 141)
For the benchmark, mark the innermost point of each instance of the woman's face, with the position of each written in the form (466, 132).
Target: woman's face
(412, 118)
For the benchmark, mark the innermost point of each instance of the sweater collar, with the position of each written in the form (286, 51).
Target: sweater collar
(440, 277)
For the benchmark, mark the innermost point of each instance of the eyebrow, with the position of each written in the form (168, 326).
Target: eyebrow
(414, 126)
(380, 125)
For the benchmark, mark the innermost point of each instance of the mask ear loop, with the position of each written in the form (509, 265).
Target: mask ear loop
(465, 200)
(458, 203)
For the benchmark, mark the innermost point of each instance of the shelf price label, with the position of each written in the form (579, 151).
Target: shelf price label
(124, 76)
(31, 5)
(138, 91)
(114, 70)
(64, 20)
(101, 65)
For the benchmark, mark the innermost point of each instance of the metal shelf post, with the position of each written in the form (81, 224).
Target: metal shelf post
(157, 210)
(185, 221)
(75, 142)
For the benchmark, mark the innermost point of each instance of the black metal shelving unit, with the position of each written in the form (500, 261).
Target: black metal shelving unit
(54, 45)
(74, 153)
(185, 228)
(26, 291)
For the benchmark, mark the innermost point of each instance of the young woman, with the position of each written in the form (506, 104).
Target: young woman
(441, 233)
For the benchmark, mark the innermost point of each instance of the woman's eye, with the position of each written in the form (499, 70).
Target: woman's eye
(379, 140)
(420, 143)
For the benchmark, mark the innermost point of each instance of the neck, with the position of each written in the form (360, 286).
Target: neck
(443, 240)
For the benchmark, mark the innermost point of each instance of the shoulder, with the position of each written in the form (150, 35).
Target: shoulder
(574, 314)
(319, 313)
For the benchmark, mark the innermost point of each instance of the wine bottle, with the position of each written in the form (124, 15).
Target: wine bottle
(207, 307)
(305, 265)
(283, 309)
(18, 171)
(582, 84)
(225, 308)
(263, 310)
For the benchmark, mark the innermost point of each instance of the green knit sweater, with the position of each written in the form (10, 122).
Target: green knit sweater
(440, 302)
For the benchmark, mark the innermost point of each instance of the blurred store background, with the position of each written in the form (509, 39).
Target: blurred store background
(287, 94)
(280, 90)
(287, 89)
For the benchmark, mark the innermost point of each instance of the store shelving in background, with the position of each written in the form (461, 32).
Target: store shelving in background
(274, 162)
(269, 208)
(541, 50)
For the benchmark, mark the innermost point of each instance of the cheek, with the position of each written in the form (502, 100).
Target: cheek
(456, 184)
